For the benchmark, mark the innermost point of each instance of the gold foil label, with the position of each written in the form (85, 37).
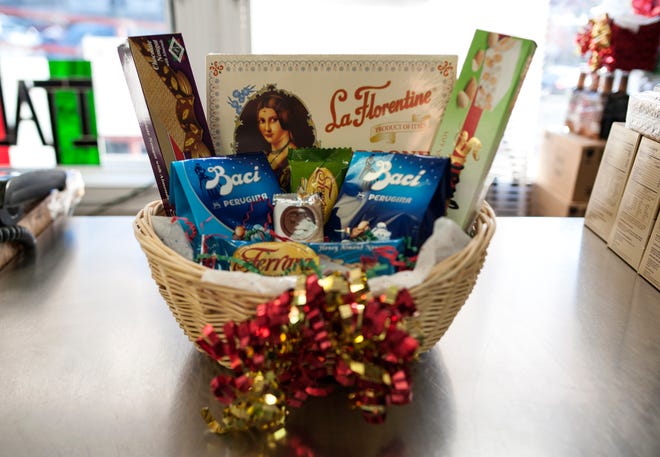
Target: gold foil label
(274, 258)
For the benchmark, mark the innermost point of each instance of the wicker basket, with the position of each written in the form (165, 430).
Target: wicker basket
(195, 304)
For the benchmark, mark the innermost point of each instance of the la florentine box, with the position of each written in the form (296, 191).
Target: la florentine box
(639, 205)
(613, 172)
(477, 114)
(166, 101)
(387, 103)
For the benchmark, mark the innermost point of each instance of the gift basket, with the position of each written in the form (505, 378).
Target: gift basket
(195, 303)
(328, 223)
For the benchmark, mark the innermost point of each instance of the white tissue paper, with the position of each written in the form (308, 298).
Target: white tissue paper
(172, 235)
(447, 239)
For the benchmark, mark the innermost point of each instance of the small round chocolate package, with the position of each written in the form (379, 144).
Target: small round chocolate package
(298, 217)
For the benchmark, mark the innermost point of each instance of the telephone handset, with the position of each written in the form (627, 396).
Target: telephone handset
(20, 188)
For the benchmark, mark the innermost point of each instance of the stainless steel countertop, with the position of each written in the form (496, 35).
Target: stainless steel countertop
(555, 353)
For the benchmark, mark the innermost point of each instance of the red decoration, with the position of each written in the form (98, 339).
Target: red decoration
(595, 41)
(608, 45)
(326, 333)
(649, 8)
(635, 50)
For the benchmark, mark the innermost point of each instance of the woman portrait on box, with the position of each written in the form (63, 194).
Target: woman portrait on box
(283, 124)
(273, 118)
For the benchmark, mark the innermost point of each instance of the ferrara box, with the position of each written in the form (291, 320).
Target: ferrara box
(374, 103)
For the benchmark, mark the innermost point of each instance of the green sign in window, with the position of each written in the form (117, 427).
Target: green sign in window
(71, 102)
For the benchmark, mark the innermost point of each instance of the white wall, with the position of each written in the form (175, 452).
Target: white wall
(211, 26)
(388, 26)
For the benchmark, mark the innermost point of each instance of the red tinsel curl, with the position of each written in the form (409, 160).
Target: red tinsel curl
(327, 332)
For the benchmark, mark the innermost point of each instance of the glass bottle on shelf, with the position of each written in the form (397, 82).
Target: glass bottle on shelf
(571, 112)
(594, 82)
(615, 104)
(590, 106)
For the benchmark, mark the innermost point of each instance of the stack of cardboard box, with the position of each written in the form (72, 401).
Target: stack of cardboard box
(568, 166)
(624, 203)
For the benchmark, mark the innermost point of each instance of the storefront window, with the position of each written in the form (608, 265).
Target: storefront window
(36, 32)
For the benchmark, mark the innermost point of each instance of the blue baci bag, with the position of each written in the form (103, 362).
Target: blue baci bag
(225, 195)
(390, 196)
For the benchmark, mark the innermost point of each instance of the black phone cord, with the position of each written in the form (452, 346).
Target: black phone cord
(18, 234)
